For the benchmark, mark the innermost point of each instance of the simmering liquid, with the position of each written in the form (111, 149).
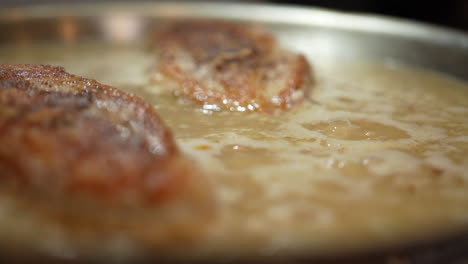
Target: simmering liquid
(377, 157)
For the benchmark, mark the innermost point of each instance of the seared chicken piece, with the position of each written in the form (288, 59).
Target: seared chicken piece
(87, 167)
(225, 65)
(64, 135)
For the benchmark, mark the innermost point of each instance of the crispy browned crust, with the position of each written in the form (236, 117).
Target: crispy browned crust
(233, 66)
(62, 134)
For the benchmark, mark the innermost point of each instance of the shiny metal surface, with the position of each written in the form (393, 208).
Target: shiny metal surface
(331, 33)
(316, 32)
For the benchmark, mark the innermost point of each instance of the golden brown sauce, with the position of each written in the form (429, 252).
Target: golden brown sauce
(360, 129)
(380, 157)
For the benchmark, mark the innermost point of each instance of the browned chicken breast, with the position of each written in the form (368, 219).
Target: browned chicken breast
(224, 65)
(79, 157)
(60, 133)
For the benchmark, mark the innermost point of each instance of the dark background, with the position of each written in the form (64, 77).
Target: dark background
(451, 13)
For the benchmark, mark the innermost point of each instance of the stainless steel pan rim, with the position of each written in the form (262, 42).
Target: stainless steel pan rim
(251, 12)
(418, 44)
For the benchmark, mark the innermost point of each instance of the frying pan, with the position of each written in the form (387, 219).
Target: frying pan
(319, 33)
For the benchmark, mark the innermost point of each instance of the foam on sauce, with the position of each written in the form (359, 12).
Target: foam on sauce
(380, 157)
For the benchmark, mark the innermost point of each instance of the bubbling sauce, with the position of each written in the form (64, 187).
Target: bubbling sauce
(378, 158)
